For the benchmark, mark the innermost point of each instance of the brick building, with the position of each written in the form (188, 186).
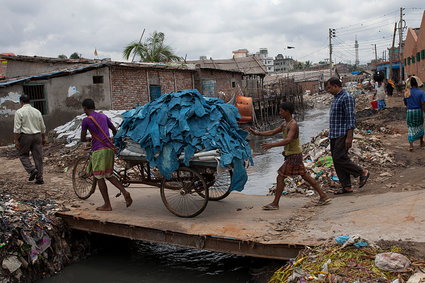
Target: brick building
(58, 86)
(414, 51)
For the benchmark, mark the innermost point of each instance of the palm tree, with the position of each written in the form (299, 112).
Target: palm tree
(153, 50)
(307, 64)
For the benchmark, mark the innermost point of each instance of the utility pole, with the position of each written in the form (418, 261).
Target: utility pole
(331, 35)
(376, 55)
(400, 42)
(391, 54)
(356, 47)
(140, 40)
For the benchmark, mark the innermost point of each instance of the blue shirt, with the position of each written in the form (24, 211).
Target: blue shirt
(342, 115)
(414, 101)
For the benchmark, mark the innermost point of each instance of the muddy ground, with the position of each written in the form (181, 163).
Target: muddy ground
(405, 173)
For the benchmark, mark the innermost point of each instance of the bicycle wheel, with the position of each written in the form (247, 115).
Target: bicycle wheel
(83, 184)
(185, 194)
(221, 186)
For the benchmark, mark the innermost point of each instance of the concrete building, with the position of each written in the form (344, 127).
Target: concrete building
(414, 51)
(267, 60)
(240, 53)
(283, 64)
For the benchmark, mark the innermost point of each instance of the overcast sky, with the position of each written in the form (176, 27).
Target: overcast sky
(211, 28)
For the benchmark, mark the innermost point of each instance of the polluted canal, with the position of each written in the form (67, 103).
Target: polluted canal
(122, 260)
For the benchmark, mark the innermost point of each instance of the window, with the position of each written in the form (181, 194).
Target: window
(233, 84)
(37, 97)
(408, 60)
(98, 79)
(418, 56)
(423, 54)
(413, 59)
(405, 61)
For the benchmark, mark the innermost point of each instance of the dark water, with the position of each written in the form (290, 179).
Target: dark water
(136, 261)
(122, 260)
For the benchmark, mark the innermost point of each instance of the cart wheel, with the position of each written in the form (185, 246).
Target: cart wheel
(120, 172)
(185, 194)
(83, 184)
(221, 186)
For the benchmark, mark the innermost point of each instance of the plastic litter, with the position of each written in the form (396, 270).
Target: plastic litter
(391, 261)
(11, 263)
(355, 240)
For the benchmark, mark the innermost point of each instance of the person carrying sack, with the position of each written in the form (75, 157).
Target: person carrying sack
(101, 164)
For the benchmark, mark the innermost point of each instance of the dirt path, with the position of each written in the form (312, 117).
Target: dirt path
(57, 176)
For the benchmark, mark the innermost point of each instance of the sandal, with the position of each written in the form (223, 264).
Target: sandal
(363, 180)
(270, 207)
(343, 191)
(323, 201)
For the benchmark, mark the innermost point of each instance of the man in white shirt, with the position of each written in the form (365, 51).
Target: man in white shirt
(30, 136)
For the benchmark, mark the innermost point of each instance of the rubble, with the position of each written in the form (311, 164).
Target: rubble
(368, 150)
(331, 262)
(33, 241)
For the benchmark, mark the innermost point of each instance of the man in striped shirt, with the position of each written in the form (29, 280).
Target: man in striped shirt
(342, 121)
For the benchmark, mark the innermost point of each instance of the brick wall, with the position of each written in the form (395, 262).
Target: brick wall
(166, 80)
(184, 80)
(3, 67)
(312, 86)
(128, 87)
(223, 81)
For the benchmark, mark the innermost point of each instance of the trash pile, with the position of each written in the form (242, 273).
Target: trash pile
(32, 240)
(71, 131)
(367, 150)
(363, 98)
(350, 259)
(186, 122)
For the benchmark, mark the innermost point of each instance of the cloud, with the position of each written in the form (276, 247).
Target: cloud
(195, 28)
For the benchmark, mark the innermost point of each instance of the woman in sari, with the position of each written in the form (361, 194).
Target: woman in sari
(415, 103)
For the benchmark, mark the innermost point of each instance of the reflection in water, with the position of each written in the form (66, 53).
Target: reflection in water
(136, 261)
(262, 175)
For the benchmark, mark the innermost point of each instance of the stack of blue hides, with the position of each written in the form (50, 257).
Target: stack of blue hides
(187, 122)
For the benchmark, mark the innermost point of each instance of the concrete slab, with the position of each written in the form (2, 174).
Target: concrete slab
(389, 216)
(237, 216)
(238, 225)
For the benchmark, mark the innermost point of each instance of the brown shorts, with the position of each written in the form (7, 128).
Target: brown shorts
(292, 166)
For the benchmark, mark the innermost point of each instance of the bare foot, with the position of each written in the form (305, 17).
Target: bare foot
(104, 208)
(128, 199)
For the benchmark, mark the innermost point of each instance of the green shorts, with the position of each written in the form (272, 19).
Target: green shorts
(101, 163)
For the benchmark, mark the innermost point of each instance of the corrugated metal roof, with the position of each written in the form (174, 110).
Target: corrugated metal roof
(59, 73)
(250, 65)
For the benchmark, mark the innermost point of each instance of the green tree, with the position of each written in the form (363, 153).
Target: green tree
(75, 55)
(62, 56)
(153, 50)
(308, 64)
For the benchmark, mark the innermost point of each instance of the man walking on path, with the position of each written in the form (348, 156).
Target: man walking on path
(30, 136)
(102, 158)
(293, 164)
(342, 121)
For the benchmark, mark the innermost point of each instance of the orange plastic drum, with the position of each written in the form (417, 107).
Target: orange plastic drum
(244, 105)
